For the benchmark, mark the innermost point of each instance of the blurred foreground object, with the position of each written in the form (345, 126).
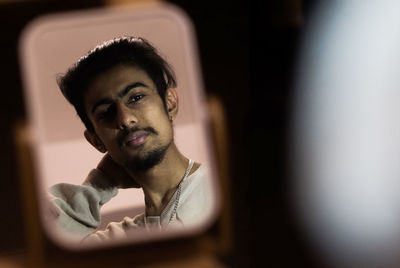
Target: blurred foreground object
(346, 134)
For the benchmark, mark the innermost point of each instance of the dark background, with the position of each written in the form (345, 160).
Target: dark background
(248, 53)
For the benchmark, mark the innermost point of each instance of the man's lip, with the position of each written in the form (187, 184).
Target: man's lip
(135, 138)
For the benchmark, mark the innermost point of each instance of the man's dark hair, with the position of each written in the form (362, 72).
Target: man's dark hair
(130, 51)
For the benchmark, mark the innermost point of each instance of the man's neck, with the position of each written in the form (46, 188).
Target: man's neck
(160, 182)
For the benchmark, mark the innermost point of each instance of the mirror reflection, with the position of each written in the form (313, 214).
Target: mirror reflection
(119, 132)
(125, 94)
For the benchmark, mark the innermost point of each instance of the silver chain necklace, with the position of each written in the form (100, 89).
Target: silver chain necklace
(179, 189)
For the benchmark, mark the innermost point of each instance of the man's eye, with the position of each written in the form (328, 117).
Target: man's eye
(136, 98)
(104, 113)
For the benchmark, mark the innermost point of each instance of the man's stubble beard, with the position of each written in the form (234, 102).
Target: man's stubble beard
(148, 160)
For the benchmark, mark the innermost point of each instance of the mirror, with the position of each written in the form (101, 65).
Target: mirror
(53, 43)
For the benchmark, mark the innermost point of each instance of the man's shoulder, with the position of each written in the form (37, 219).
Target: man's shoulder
(197, 188)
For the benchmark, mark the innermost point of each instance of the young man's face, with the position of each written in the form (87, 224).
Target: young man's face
(129, 118)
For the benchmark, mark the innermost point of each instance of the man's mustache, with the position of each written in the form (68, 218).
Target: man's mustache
(123, 135)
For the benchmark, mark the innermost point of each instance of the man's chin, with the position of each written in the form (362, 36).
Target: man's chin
(147, 161)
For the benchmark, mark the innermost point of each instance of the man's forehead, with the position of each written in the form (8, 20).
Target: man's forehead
(120, 72)
(117, 78)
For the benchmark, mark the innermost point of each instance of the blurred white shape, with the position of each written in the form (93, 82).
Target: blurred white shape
(347, 133)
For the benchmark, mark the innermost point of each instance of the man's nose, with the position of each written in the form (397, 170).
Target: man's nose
(124, 117)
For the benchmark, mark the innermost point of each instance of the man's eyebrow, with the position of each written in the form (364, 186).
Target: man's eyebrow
(129, 87)
(121, 94)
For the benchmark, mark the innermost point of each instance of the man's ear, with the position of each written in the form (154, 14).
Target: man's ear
(172, 101)
(94, 140)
